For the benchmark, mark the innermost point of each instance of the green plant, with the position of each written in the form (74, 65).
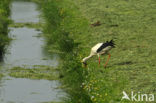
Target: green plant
(4, 21)
(62, 24)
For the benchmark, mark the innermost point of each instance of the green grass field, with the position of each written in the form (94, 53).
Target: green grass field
(132, 24)
(132, 65)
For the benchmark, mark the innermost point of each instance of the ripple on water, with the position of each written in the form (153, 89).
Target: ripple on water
(27, 49)
(21, 90)
(23, 11)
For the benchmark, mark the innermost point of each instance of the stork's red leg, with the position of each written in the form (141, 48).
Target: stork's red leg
(107, 60)
(99, 60)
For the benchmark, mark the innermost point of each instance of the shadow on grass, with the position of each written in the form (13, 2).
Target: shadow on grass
(125, 63)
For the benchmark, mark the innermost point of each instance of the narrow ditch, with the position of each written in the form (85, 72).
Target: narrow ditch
(27, 50)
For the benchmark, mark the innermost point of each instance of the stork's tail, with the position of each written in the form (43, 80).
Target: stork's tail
(111, 43)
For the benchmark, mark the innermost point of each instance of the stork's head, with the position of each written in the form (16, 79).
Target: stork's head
(84, 62)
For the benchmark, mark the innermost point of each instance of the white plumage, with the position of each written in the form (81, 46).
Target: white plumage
(99, 49)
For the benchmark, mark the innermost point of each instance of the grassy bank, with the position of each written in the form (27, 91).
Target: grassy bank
(4, 21)
(132, 65)
(63, 24)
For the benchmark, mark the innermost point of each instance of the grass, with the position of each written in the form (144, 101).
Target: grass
(58, 31)
(38, 72)
(1, 75)
(52, 102)
(132, 65)
(37, 26)
(4, 21)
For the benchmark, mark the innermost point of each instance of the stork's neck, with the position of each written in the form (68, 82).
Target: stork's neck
(86, 58)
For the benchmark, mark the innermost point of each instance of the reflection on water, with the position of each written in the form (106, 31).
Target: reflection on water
(1, 59)
(20, 90)
(27, 49)
(23, 11)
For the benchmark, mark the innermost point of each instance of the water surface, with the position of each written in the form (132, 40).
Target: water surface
(23, 11)
(20, 90)
(27, 49)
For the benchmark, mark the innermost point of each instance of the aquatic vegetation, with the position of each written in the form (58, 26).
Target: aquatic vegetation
(1, 75)
(38, 26)
(38, 72)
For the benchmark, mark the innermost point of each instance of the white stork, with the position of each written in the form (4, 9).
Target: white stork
(100, 49)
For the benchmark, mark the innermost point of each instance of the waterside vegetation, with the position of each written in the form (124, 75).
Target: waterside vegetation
(63, 24)
(4, 22)
(130, 23)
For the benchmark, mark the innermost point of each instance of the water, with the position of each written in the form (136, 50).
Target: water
(23, 12)
(27, 49)
(22, 90)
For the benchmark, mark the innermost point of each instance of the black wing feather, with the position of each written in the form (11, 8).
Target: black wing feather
(104, 45)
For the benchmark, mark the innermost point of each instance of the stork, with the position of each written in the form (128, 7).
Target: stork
(100, 49)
